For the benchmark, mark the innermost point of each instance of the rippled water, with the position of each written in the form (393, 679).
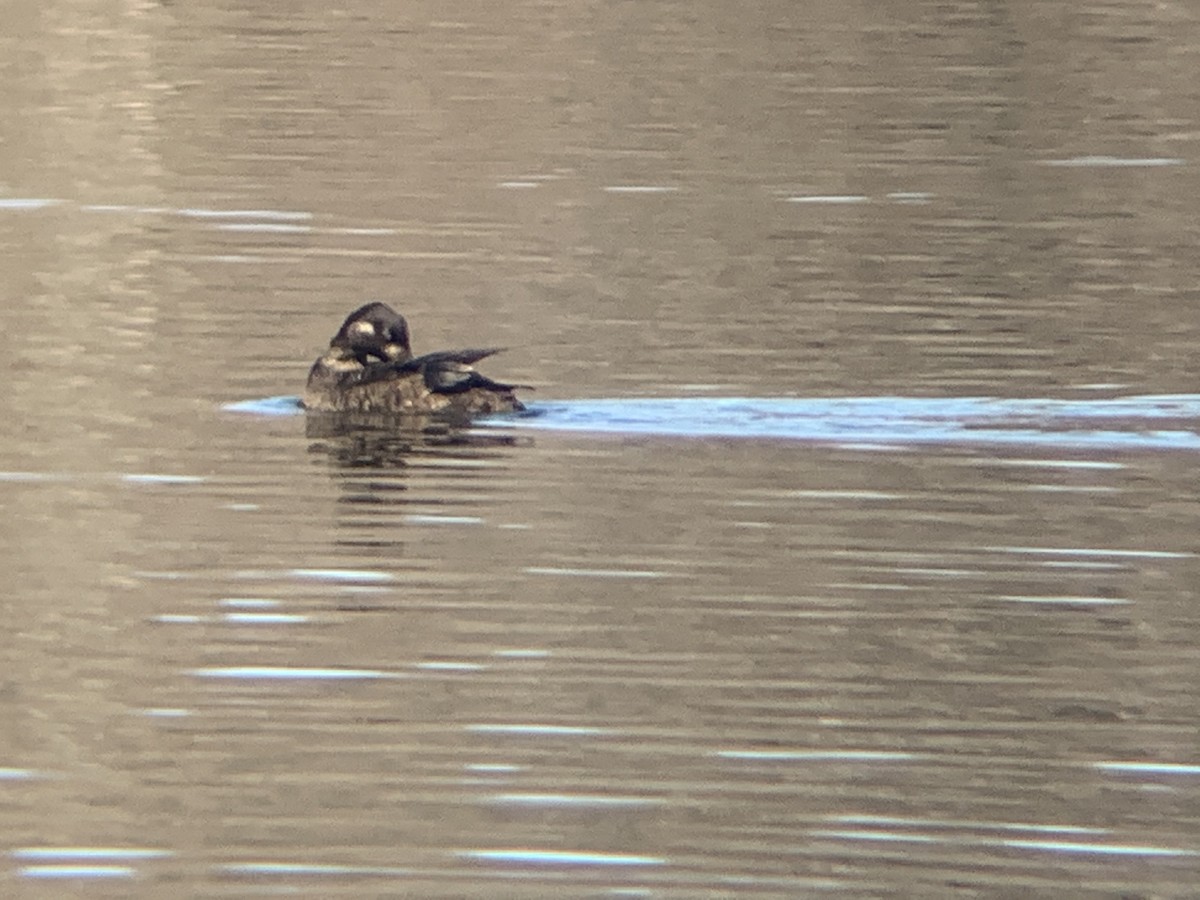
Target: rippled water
(848, 546)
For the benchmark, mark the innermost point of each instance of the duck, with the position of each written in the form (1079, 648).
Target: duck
(370, 368)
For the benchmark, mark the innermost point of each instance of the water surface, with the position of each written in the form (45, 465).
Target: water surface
(851, 550)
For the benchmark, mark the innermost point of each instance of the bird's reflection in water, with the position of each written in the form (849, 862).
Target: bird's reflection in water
(395, 480)
(356, 441)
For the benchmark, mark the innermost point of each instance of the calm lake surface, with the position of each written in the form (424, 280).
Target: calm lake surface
(768, 599)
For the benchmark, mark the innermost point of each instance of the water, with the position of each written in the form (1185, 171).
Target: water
(1125, 423)
(849, 546)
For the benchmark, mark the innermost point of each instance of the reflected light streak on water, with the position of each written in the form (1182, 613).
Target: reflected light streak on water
(890, 422)
(284, 673)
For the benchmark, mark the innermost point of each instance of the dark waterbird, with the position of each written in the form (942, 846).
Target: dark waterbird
(369, 368)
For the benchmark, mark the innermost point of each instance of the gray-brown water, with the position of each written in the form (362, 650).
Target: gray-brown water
(694, 647)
